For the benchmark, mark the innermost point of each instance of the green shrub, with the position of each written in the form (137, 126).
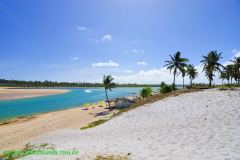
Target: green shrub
(166, 88)
(145, 92)
(162, 84)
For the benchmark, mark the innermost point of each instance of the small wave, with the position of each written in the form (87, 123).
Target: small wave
(87, 91)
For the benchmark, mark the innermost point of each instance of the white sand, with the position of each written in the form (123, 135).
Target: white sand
(9, 93)
(195, 126)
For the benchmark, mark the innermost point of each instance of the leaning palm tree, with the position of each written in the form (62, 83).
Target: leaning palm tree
(175, 63)
(108, 85)
(211, 65)
(192, 73)
(236, 63)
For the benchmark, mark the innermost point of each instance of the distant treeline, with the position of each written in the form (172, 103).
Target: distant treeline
(21, 83)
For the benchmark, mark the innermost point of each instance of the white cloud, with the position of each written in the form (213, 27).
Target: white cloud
(110, 63)
(234, 51)
(82, 28)
(107, 37)
(135, 42)
(152, 76)
(236, 54)
(74, 58)
(142, 63)
(134, 51)
(157, 75)
(129, 71)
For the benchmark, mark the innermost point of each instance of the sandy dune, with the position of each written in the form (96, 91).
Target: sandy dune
(194, 126)
(7, 94)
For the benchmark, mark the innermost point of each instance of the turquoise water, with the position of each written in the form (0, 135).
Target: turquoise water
(74, 98)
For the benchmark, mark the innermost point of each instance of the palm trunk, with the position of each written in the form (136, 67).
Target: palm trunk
(107, 99)
(183, 82)
(191, 82)
(210, 83)
(222, 81)
(174, 75)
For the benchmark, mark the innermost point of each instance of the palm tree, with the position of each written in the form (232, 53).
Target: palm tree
(211, 64)
(108, 85)
(230, 72)
(175, 64)
(192, 73)
(236, 63)
(223, 75)
(183, 72)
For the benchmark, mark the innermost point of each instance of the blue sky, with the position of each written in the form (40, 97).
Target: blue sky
(80, 40)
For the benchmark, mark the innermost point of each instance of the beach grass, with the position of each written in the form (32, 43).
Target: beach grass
(16, 154)
(94, 124)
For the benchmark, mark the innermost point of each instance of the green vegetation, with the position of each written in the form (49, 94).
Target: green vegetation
(108, 85)
(176, 63)
(211, 65)
(111, 157)
(16, 154)
(183, 72)
(145, 92)
(94, 124)
(192, 73)
(165, 88)
(48, 84)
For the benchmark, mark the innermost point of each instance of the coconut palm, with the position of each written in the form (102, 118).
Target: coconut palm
(230, 72)
(236, 63)
(192, 73)
(223, 75)
(211, 65)
(183, 72)
(108, 85)
(175, 63)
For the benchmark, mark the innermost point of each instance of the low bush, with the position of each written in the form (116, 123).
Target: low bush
(166, 88)
(145, 92)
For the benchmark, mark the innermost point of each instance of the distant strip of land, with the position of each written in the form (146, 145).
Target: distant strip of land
(9, 94)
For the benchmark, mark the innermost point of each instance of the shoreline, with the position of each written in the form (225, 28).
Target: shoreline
(20, 93)
(29, 127)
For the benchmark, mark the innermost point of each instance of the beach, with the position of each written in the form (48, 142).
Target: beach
(18, 132)
(9, 93)
(199, 125)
